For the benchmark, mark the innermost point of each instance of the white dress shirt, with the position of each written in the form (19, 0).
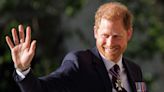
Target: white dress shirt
(23, 74)
(123, 75)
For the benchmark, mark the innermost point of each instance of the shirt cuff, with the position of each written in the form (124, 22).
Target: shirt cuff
(23, 73)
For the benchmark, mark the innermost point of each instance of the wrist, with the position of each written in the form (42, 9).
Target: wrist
(22, 69)
(23, 74)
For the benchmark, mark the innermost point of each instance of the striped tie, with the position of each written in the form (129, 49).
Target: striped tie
(114, 71)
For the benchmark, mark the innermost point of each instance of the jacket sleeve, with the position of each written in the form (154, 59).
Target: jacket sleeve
(61, 80)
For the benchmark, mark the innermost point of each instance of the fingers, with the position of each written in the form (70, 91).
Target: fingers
(28, 36)
(9, 42)
(23, 38)
(32, 47)
(15, 36)
(21, 33)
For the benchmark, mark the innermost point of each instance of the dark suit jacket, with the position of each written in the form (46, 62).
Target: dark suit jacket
(81, 71)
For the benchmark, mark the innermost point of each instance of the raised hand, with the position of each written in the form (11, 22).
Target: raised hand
(22, 49)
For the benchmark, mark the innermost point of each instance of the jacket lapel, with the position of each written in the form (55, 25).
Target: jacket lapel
(130, 75)
(101, 70)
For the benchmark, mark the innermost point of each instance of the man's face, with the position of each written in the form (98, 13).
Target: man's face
(111, 39)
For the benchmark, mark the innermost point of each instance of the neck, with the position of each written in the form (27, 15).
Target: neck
(115, 60)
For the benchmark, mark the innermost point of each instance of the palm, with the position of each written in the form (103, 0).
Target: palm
(20, 54)
(23, 51)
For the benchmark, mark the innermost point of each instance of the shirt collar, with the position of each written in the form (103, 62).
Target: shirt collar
(110, 64)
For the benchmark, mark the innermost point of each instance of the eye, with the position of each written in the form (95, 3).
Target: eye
(105, 35)
(117, 36)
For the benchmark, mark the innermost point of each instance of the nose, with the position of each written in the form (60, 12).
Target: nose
(110, 41)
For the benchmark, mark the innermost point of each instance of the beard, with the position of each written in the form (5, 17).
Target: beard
(112, 53)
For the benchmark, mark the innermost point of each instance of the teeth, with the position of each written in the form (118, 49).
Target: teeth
(110, 49)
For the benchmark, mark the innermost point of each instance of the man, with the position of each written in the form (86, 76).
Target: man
(100, 69)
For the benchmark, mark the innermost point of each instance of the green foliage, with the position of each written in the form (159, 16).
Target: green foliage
(148, 34)
(72, 7)
(44, 16)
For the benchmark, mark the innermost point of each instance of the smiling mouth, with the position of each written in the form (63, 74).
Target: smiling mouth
(111, 50)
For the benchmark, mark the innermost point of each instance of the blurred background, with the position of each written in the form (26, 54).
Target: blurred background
(60, 26)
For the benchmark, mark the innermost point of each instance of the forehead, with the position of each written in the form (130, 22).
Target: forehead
(108, 25)
(108, 21)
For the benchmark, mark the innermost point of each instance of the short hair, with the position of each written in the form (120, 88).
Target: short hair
(114, 11)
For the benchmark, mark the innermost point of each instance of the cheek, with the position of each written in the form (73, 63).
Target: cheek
(123, 40)
(101, 41)
(123, 43)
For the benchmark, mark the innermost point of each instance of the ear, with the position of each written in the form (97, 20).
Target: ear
(129, 33)
(95, 32)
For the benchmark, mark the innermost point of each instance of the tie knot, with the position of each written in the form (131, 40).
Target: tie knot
(116, 68)
(114, 71)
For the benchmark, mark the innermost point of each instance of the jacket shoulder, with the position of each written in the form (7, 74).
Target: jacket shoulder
(75, 57)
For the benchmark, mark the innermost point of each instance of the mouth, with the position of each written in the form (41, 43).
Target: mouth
(111, 49)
